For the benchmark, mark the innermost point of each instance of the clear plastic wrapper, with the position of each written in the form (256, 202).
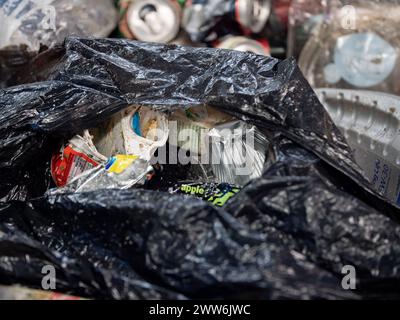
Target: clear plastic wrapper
(79, 155)
(356, 47)
(46, 22)
(115, 154)
(245, 44)
(191, 127)
(237, 152)
(150, 20)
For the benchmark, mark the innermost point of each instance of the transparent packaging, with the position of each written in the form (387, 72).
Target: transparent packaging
(304, 16)
(115, 154)
(46, 22)
(101, 178)
(355, 47)
(191, 127)
(136, 130)
(237, 152)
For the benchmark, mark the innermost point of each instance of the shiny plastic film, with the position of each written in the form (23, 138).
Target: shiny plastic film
(355, 45)
(115, 154)
(238, 152)
(45, 22)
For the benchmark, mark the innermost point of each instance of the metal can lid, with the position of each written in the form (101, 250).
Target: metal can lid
(244, 44)
(154, 20)
(253, 14)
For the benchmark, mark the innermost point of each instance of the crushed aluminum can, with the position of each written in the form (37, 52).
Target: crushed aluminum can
(238, 152)
(246, 45)
(192, 126)
(150, 20)
(121, 146)
(195, 20)
(355, 53)
(370, 122)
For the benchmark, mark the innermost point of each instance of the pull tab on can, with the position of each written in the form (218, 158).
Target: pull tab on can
(154, 20)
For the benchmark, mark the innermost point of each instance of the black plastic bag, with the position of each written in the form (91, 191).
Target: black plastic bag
(287, 234)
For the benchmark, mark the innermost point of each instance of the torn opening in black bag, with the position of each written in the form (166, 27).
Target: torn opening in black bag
(287, 234)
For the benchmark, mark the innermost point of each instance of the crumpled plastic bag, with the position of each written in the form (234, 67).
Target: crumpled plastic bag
(287, 234)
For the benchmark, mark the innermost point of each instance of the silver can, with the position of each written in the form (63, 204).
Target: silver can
(246, 45)
(154, 20)
(253, 14)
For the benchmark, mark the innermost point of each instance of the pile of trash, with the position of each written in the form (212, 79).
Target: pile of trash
(231, 24)
(181, 170)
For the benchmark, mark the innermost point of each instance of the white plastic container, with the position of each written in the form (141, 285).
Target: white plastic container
(370, 121)
(116, 154)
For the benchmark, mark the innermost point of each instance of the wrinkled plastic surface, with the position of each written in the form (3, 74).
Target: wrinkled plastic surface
(286, 234)
(115, 155)
(46, 22)
(241, 150)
